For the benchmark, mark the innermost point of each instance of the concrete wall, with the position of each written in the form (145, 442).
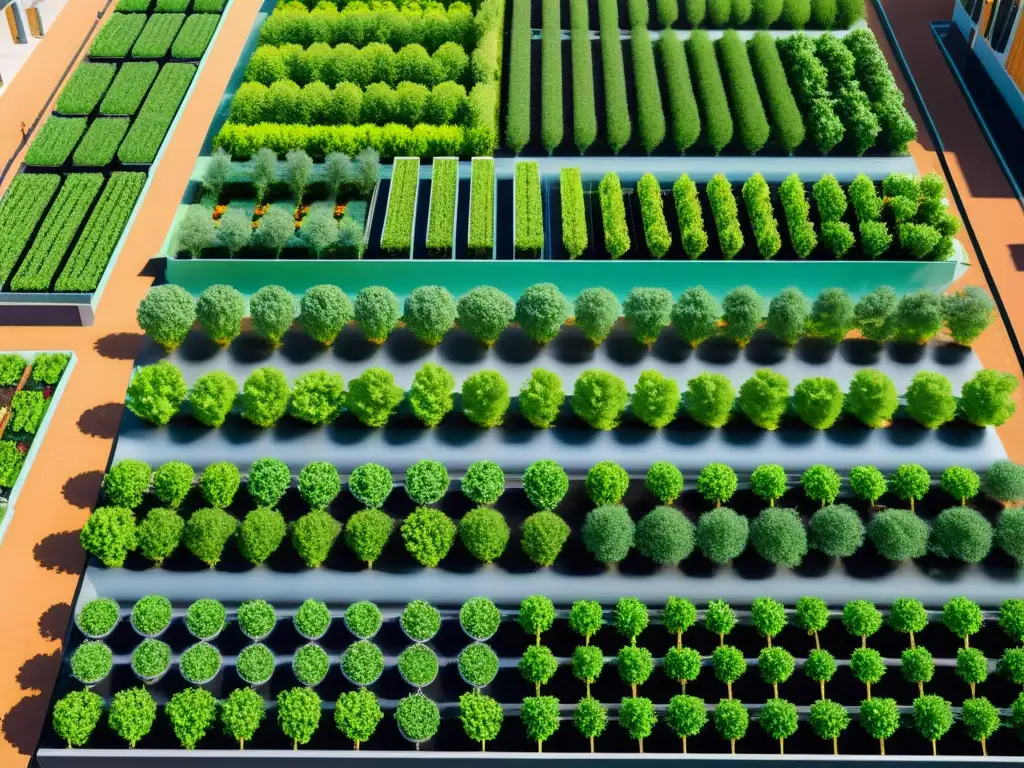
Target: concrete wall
(993, 65)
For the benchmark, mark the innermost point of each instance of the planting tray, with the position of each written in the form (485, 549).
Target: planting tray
(269, 746)
(457, 443)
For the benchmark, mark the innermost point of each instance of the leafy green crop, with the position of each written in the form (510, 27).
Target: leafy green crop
(117, 35)
(129, 88)
(54, 143)
(84, 89)
(195, 35)
(401, 213)
(481, 209)
(529, 224)
(20, 210)
(157, 36)
(443, 188)
(148, 131)
(100, 143)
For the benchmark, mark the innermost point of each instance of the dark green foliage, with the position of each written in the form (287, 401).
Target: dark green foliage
(608, 533)
(616, 107)
(1004, 481)
(961, 533)
(541, 310)
(722, 535)
(584, 116)
(872, 69)
(648, 311)
(836, 530)
(268, 480)
(875, 314)
(742, 312)
(898, 534)
(650, 114)
(323, 311)
(718, 127)
(272, 310)
(517, 126)
(484, 533)
(967, 313)
(485, 312)
(744, 97)
(787, 121)
(376, 312)
(430, 312)
(665, 536)
(207, 532)
(832, 315)
(543, 536)
(788, 314)
(682, 104)
(596, 311)
(220, 309)
(1010, 533)
(167, 314)
(809, 79)
(779, 536)
(695, 315)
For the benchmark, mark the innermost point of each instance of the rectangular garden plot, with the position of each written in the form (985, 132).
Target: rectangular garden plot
(195, 35)
(21, 210)
(101, 141)
(117, 36)
(149, 128)
(480, 240)
(129, 88)
(400, 217)
(444, 194)
(54, 143)
(156, 38)
(529, 215)
(85, 88)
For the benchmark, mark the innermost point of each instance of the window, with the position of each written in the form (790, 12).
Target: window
(1001, 24)
(973, 8)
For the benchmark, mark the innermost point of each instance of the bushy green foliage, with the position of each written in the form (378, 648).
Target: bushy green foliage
(599, 398)
(76, 715)
(541, 310)
(613, 215)
(323, 311)
(367, 533)
(431, 394)
(768, 616)
(1010, 533)
(212, 397)
(665, 535)
(541, 397)
(695, 315)
(986, 400)
(836, 531)
(596, 311)
(608, 533)
(751, 122)
(930, 399)
(131, 715)
(543, 536)
(265, 396)
(879, 717)
(742, 312)
(769, 482)
(811, 614)
(709, 399)
(820, 483)
(606, 483)
(428, 534)
(788, 315)
(731, 719)
(910, 482)
(726, 215)
(795, 205)
(707, 79)
(485, 398)
(207, 532)
(898, 534)
(647, 312)
(655, 399)
(818, 401)
(430, 312)
(665, 481)
(167, 313)
(722, 535)
(717, 482)
(156, 392)
(373, 396)
(539, 715)
(779, 536)
(832, 315)
(110, 535)
(272, 310)
(485, 312)
(484, 482)
(872, 398)
(767, 66)
(867, 483)
(484, 533)
(961, 533)
(376, 312)
(159, 534)
(693, 236)
(127, 482)
(650, 113)
(967, 313)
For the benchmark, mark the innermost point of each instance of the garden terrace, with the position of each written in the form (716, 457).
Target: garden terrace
(725, 643)
(64, 216)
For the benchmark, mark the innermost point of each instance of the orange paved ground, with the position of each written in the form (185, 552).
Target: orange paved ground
(31, 88)
(40, 559)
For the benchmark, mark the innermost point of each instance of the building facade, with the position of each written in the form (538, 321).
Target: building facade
(993, 31)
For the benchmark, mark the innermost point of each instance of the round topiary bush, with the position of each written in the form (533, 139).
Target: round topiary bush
(313, 536)
(484, 482)
(420, 621)
(156, 392)
(608, 533)
(655, 399)
(362, 663)
(430, 312)
(836, 531)
(479, 618)
(647, 312)
(872, 398)
(764, 398)
(717, 483)
(97, 618)
(200, 663)
(219, 484)
(431, 394)
(367, 533)
(260, 534)
(159, 534)
(272, 310)
(428, 534)
(110, 534)
(540, 398)
(709, 399)
(373, 396)
(665, 536)
(371, 484)
(318, 397)
(818, 401)
(268, 480)
(323, 311)
(779, 536)
(722, 535)
(220, 309)
(265, 396)
(484, 533)
(543, 536)
(960, 483)
(376, 312)
(319, 484)
(541, 310)
(898, 534)
(478, 664)
(91, 662)
(606, 483)
(172, 482)
(1010, 533)
(664, 481)
(426, 481)
(599, 398)
(961, 533)
(256, 619)
(167, 313)
(485, 312)
(127, 482)
(545, 484)
(212, 397)
(312, 619)
(485, 398)
(1004, 481)
(255, 664)
(596, 312)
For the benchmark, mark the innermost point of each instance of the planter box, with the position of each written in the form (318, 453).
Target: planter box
(416, 198)
(494, 207)
(455, 213)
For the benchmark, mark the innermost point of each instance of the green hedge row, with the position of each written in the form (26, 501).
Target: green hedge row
(613, 216)
(480, 239)
(129, 88)
(444, 186)
(359, 25)
(158, 35)
(54, 143)
(650, 113)
(747, 110)
(195, 36)
(95, 246)
(243, 141)
(518, 121)
(852, 104)
(100, 142)
(347, 104)
(21, 208)
(808, 77)
(616, 106)
(798, 210)
(117, 36)
(726, 214)
(401, 214)
(787, 121)
(652, 211)
(56, 232)
(718, 125)
(898, 128)
(584, 114)
(147, 132)
(758, 199)
(691, 219)
(85, 88)
(762, 14)
(529, 224)
(682, 104)
(551, 122)
(574, 215)
(373, 63)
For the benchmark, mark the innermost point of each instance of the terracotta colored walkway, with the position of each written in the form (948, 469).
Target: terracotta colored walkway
(40, 558)
(31, 89)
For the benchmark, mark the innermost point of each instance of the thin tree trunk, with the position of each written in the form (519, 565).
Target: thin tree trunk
(684, 745)
(817, 641)
(540, 746)
(935, 749)
(483, 746)
(775, 689)
(882, 743)
(679, 640)
(357, 746)
(730, 689)
(984, 747)
(591, 743)
(721, 639)
(771, 503)
(641, 745)
(912, 646)
(782, 746)
(920, 688)
(538, 637)
(835, 746)
(822, 684)
(718, 503)
(241, 745)
(586, 639)
(769, 641)
(972, 691)
(869, 690)
(967, 641)
(732, 745)
(684, 687)
(911, 503)
(632, 687)
(863, 641)
(588, 689)
(295, 745)
(538, 690)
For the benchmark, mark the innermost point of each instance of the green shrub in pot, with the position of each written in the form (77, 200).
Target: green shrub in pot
(256, 618)
(150, 659)
(362, 662)
(151, 615)
(255, 664)
(479, 618)
(310, 664)
(478, 664)
(363, 619)
(420, 621)
(418, 665)
(205, 618)
(417, 717)
(98, 617)
(200, 663)
(91, 662)
(312, 619)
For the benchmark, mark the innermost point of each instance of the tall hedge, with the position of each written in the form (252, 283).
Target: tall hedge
(747, 108)
(682, 104)
(616, 106)
(691, 218)
(574, 215)
(718, 127)
(876, 79)
(797, 208)
(652, 211)
(758, 199)
(809, 79)
(613, 215)
(517, 121)
(551, 126)
(727, 215)
(584, 114)
(650, 113)
(787, 121)
(852, 104)
(668, 12)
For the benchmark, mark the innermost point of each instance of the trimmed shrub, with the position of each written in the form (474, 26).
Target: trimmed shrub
(607, 533)
(373, 396)
(769, 482)
(220, 309)
(426, 481)
(875, 314)
(967, 313)
(367, 533)
(485, 398)
(156, 392)
(167, 313)
(545, 484)
(717, 483)
(613, 215)
(376, 312)
(652, 211)
(722, 535)
(795, 205)
(820, 483)
(872, 398)
(650, 114)
(272, 310)
(655, 399)
(818, 401)
(961, 533)
(541, 310)
(319, 484)
(599, 398)
(606, 483)
(485, 312)
(109, 534)
(207, 532)
(265, 396)
(986, 400)
(664, 481)
(788, 315)
(747, 108)
(898, 534)
(484, 533)
(726, 215)
(318, 397)
(832, 315)
(127, 482)
(541, 397)
(867, 483)
(682, 103)
(323, 311)
(692, 235)
(543, 536)
(764, 398)
(665, 536)
(709, 399)
(696, 315)
(159, 534)
(779, 536)
(596, 312)
(370, 484)
(742, 312)
(260, 534)
(518, 121)
(836, 531)
(584, 116)
(647, 311)
(430, 313)
(430, 395)
(758, 200)
(718, 127)
(930, 400)
(872, 70)
(619, 126)
(918, 316)
(787, 120)
(810, 81)
(212, 397)
(428, 534)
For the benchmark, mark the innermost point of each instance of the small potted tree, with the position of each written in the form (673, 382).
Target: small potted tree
(682, 665)
(481, 717)
(478, 665)
(539, 715)
(312, 619)
(963, 618)
(664, 481)
(76, 716)
(768, 617)
(241, 714)
(867, 666)
(363, 619)
(362, 663)
(310, 665)
(812, 616)
(298, 714)
(719, 619)
(418, 718)
(357, 715)
(418, 666)
(728, 664)
(862, 620)
(769, 482)
(151, 615)
(686, 716)
(820, 667)
(479, 618)
(917, 667)
(255, 664)
(933, 717)
(631, 618)
(151, 660)
(635, 665)
(420, 621)
(132, 713)
(200, 663)
(205, 619)
(908, 616)
(191, 713)
(536, 615)
(776, 665)
(590, 718)
(678, 616)
(880, 718)
(91, 662)
(981, 720)
(97, 618)
(586, 617)
(538, 665)
(828, 720)
(587, 663)
(778, 718)
(256, 619)
(731, 721)
(971, 667)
